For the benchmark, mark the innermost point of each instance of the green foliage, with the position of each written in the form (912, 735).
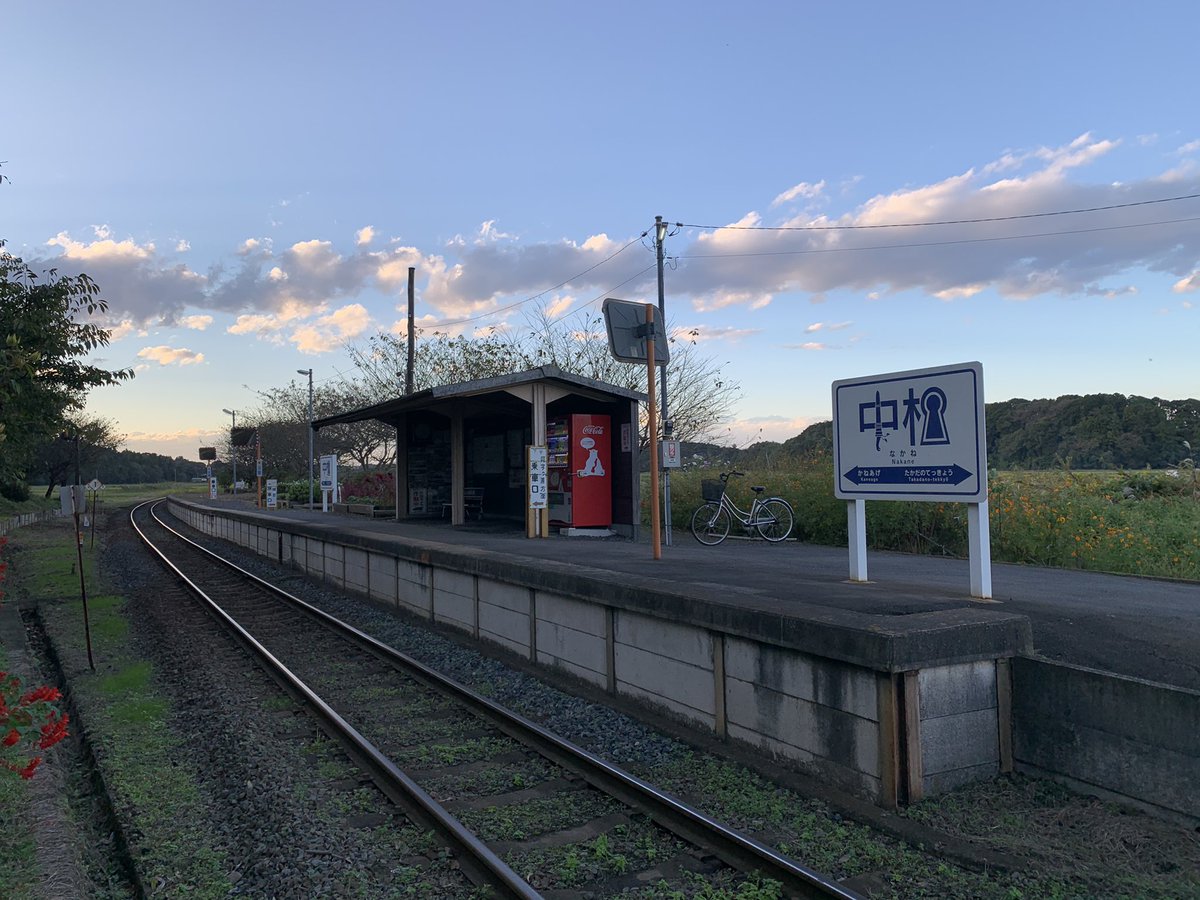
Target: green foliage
(1142, 523)
(46, 336)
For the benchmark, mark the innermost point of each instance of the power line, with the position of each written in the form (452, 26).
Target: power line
(946, 243)
(1037, 215)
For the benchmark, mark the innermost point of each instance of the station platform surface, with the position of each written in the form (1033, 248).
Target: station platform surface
(1140, 627)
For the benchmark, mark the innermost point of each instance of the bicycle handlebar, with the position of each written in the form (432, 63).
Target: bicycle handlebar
(725, 476)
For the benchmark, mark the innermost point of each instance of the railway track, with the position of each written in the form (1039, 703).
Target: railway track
(506, 795)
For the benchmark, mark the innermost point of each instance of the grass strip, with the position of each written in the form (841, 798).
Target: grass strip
(125, 720)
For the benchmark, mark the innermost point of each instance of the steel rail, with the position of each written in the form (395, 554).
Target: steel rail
(477, 859)
(727, 844)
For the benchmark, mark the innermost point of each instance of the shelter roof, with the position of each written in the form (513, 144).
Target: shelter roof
(392, 411)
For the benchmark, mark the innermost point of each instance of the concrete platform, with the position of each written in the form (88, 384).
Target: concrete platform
(891, 694)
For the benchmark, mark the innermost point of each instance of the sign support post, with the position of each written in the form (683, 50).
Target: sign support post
(979, 546)
(856, 529)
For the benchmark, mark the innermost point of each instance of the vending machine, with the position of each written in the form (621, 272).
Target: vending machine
(580, 470)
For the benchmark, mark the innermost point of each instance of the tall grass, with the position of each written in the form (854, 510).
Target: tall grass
(1141, 523)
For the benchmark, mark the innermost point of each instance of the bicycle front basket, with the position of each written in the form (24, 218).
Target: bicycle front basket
(712, 490)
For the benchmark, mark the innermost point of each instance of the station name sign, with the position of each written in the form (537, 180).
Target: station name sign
(916, 435)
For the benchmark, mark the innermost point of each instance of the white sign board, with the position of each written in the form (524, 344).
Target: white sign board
(95, 485)
(328, 472)
(916, 435)
(272, 493)
(71, 499)
(671, 457)
(538, 490)
(212, 487)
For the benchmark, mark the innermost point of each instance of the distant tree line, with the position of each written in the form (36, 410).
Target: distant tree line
(1094, 431)
(113, 466)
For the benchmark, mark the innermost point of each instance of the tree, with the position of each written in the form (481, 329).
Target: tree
(83, 441)
(43, 374)
(700, 396)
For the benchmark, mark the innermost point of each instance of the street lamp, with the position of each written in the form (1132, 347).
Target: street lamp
(232, 448)
(311, 498)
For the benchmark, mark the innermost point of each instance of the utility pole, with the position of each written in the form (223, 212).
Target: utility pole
(309, 372)
(660, 232)
(412, 337)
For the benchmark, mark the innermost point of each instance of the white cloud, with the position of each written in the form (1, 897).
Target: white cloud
(807, 345)
(170, 356)
(124, 329)
(803, 189)
(273, 292)
(102, 249)
(1188, 284)
(1017, 258)
(197, 323)
(182, 246)
(332, 331)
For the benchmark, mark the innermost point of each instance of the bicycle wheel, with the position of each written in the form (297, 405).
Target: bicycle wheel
(710, 523)
(775, 519)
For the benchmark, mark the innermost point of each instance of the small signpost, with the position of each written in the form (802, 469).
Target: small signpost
(95, 486)
(916, 435)
(536, 478)
(328, 481)
(671, 458)
(272, 493)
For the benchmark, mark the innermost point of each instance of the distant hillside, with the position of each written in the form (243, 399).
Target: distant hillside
(1096, 431)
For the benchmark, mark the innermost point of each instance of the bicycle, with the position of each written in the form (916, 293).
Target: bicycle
(772, 517)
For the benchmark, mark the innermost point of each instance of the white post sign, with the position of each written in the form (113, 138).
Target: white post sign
(328, 480)
(272, 493)
(915, 435)
(538, 490)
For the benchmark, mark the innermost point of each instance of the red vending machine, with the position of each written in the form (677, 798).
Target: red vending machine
(579, 450)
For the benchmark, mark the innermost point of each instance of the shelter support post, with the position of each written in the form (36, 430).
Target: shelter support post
(537, 521)
(458, 467)
(402, 468)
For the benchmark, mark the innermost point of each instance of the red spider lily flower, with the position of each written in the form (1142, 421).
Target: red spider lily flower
(11, 738)
(43, 694)
(53, 731)
(28, 771)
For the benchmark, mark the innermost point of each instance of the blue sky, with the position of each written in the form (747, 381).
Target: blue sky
(248, 183)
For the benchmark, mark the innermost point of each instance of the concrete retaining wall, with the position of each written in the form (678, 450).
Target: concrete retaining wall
(1132, 739)
(892, 732)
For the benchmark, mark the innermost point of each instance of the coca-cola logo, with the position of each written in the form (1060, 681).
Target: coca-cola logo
(593, 429)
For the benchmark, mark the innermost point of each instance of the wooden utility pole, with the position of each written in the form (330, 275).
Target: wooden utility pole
(655, 523)
(412, 335)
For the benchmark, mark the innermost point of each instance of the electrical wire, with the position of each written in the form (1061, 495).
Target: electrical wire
(946, 243)
(1038, 215)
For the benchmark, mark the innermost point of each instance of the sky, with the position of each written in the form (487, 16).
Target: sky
(248, 183)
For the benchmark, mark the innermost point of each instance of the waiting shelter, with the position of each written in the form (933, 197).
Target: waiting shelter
(461, 448)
